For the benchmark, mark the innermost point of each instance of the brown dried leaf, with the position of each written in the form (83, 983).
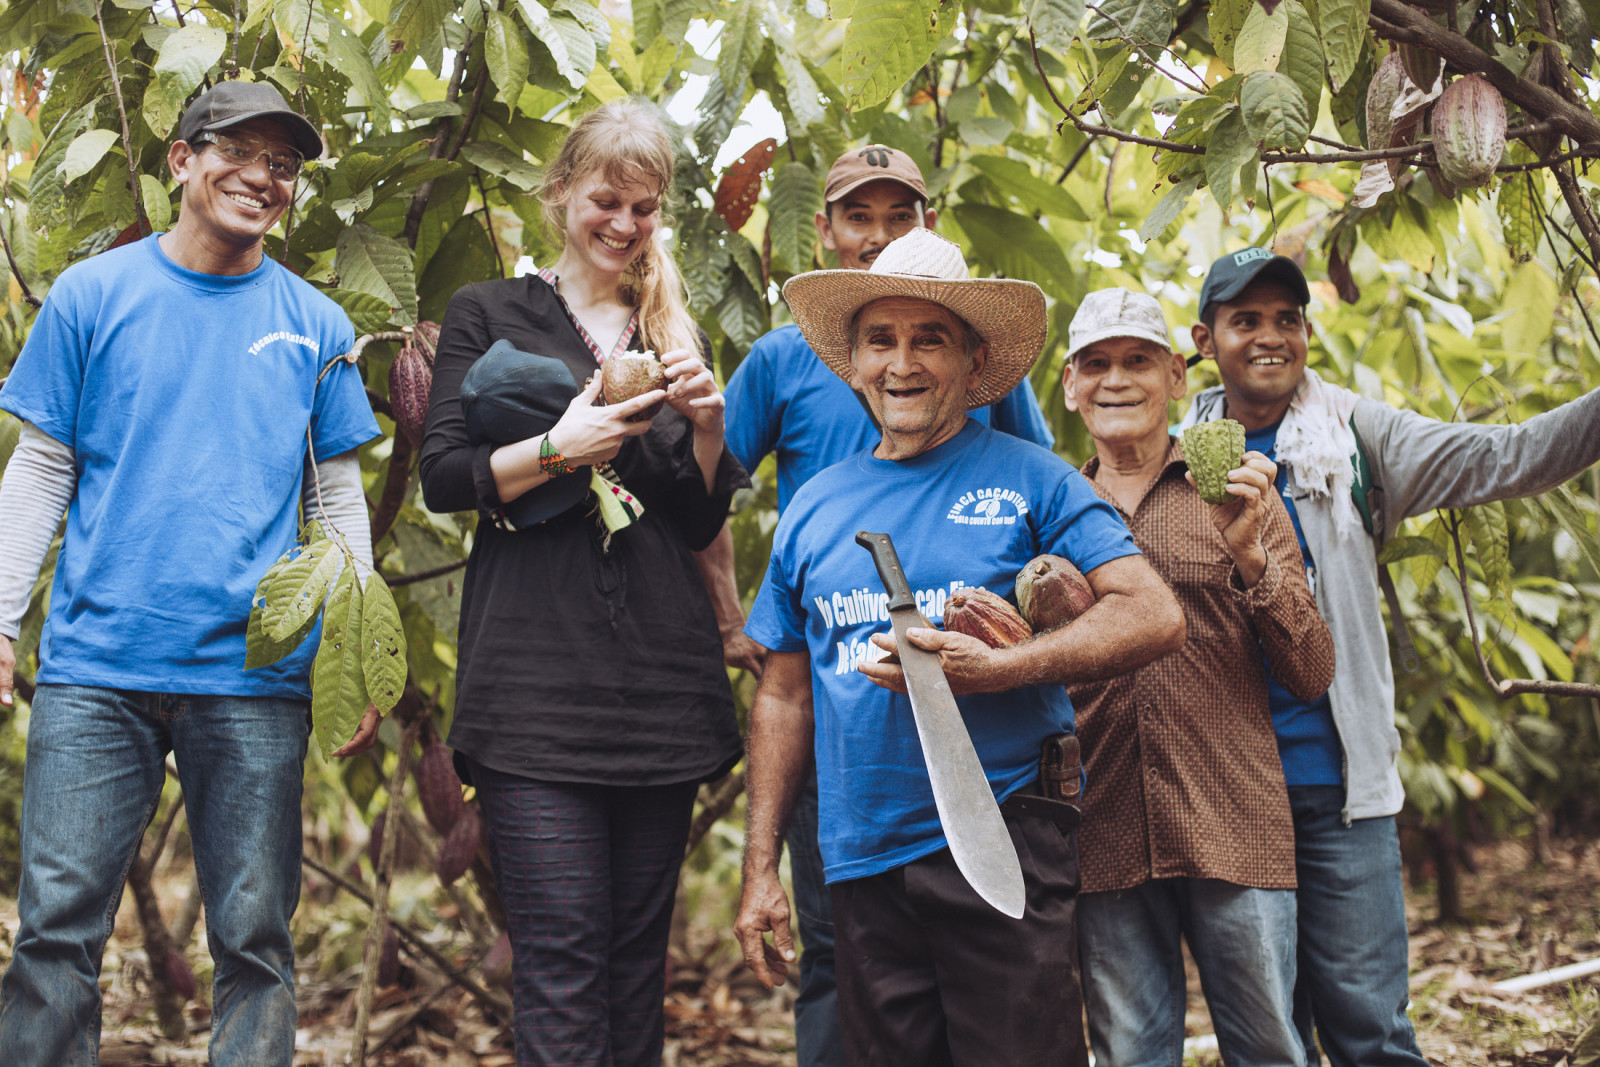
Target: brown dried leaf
(740, 185)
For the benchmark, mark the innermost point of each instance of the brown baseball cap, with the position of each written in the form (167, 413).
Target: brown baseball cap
(859, 166)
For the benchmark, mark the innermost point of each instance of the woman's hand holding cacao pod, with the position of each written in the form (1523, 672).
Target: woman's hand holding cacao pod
(590, 433)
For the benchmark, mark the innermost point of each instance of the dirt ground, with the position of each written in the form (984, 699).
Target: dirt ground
(1522, 918)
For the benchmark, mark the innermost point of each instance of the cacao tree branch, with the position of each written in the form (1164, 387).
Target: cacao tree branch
(158, 948)
(122, 113)
(717, 803)
(16, 271)
(1547, 224)
(419, 199)
(1517, 168)
(1578, 205)
(423, 576)
(1398, 21)
(188, 917)
(396, 480)
(380, 405)
(415, 944)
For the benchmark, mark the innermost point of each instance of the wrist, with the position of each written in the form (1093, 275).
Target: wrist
(552, 461)
(1251, 564)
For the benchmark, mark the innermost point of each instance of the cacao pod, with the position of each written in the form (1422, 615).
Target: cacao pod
(1051, 592)
(410, 382)
(1212, 449)
(180, 978)
(990, 618)
(1382, 91)
(389, 958)
(1421, 66)
(1469, 130)
(497, 963)
(375, 840)
(438, 787)
(460, 846)
(427, 338)
(627, 375)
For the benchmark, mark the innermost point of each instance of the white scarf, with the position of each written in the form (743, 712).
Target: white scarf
(1315, 442)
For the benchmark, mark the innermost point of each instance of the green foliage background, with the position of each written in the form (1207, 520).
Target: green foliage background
(1124, 143)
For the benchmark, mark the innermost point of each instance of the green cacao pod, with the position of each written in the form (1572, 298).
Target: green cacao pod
(438, 788)
(410, 382)
(1051, 592)
(986, 616)
(1469, 130)
(627, 375)
(460, 846)
(1212, 449)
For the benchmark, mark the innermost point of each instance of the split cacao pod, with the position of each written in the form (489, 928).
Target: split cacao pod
(179, 975)
(460, 846)
(389, 958)
(410, 382)
(986, 616)
(1051, 592)
(629, 374)
(1212, 449)
(1469, 130)
(438, 788)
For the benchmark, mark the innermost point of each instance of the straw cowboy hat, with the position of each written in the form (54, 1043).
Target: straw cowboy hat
(1008, 314)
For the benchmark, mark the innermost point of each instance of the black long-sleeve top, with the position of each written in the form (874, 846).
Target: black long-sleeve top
(578, 663)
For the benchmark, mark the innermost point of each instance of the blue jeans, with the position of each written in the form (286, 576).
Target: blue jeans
(91, 783)
(1354, 975)
(1242, 940)
(817, 1037)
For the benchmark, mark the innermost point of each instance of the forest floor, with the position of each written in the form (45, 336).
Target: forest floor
(1521, 918)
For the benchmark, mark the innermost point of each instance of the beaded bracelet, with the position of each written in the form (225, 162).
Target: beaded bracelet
(552, 462)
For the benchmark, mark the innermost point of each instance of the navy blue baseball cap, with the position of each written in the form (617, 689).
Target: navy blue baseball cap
(508, 396)
(1230, 274)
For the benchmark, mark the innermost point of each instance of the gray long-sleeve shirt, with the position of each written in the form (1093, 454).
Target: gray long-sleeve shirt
(1418, 464)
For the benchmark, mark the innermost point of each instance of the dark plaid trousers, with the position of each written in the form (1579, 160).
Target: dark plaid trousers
(931, 976)
(588, 874)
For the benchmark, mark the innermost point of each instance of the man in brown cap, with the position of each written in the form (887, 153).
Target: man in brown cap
(783, 399)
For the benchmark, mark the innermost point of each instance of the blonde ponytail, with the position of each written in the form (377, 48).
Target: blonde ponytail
(628, 142)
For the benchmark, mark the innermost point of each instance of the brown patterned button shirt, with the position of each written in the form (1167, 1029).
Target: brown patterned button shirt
(1184, 778)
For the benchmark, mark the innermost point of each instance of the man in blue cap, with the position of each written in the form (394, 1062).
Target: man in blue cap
(181, 397)
(1350, 469)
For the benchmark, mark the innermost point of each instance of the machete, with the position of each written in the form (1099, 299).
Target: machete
(973, 826)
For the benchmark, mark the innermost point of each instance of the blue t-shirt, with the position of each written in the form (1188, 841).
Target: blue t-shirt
(1308, 741)
(971, 512)
(783, 398)
(185, 399)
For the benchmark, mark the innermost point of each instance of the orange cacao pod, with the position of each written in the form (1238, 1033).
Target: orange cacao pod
(1051, 592)
(410, 382)
(1469, 130)
(990, 618)
(460, 846)
(438, 788)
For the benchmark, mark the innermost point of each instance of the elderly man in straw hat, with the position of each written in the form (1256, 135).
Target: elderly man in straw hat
(929, 973)
(1187, 831)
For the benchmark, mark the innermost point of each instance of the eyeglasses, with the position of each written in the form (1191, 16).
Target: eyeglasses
(242, 151)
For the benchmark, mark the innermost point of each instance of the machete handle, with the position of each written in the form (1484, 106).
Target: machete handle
(889, 569)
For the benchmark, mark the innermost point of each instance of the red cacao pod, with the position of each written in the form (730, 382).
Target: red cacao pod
(990, 618)
(497, 963)
(1051, 592)
(627, 375)
(179, 975)
(438, 787)
(1469, 130)
(375, 839)
(389, 958)
(460, 846)
(410, 382)
(426, 337)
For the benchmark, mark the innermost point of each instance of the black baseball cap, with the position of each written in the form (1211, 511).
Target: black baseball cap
(508, 396)
(1229, 275)
(229, 103)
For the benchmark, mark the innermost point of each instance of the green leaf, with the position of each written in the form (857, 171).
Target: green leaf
(413, 21)
(383, 644)
(259, 649)
(190, 51)
(1147, 22)
(1531, 298)
(1225, 19)
(1016, 246)
(1227, 149)
(1563, 507)
(1016, 178)
(1486, 525)
(294, 588)
(1054, 22)
(506, 55)
(504, 163)
(338, 694)
(1576, 33)
(550, 34)
(886, 41)
(85, 153)
(1168, 208)
(800, 90)
(1342, 25)
(741, 43)
(1586, 1050)
(792, 204)
(157, 204)
(741, 313)
(1274, 111)
(1519, 206)
(353, 61)
(1399, 548)
(1302, 55)
(1261, 39)
(370, 262)
(367, 313)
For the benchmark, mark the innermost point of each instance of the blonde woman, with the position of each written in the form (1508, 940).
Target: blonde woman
(591, 697)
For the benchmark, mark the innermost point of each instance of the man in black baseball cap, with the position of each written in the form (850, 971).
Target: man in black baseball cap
(230, 103)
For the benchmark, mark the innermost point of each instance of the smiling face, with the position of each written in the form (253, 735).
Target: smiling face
(913, 367)
(867, 218)
(225, 205)
(1259, 340)
(1120, 388)
(609, 224)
